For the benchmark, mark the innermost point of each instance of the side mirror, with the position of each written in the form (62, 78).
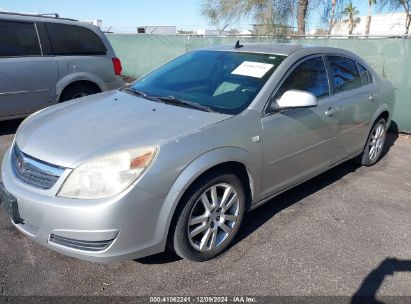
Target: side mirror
(296, 99)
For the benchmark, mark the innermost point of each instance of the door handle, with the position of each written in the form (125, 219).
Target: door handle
(373, 97)
(331, 111)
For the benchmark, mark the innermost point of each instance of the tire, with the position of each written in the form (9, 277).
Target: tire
(77, 91)
(213, 229)
(375, 144)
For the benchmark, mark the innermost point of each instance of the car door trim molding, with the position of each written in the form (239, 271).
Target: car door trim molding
(23, 92)
(38, 38)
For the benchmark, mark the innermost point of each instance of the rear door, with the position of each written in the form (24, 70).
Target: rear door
(27, 78)
(356, 93)
(299, 143)
(80, 51)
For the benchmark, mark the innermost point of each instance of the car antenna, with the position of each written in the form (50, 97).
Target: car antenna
(238, 45)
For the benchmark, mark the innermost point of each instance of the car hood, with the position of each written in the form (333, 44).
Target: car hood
(71, 133)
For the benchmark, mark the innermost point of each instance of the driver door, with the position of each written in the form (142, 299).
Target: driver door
(301, 142)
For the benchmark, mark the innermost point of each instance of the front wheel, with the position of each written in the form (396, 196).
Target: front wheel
(209, 218)
(375, 143)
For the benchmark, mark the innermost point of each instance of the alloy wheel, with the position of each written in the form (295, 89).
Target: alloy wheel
(377, 141)
(213, 217)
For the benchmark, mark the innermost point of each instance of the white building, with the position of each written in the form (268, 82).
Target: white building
(210, 33)
(384, 24)
(245, 33)
(96, 22)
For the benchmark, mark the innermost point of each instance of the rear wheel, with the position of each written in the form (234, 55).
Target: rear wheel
(210, 217)
(77, 91)
(375, 143)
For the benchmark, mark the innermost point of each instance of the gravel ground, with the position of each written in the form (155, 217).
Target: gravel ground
(346, 232)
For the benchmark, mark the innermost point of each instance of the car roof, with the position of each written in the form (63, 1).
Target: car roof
(23, 17)
(268, 48)
(285, 49)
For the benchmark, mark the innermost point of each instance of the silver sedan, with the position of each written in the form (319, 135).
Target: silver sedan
(177, 158)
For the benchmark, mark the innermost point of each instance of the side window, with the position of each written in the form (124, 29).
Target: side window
(363, 75)
(370, 79)
(310, 76)
(18, 39)
(345, 73)
(74, 40)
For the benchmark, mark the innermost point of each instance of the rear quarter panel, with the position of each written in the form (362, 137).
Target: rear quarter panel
(95, 68)
(387, 98)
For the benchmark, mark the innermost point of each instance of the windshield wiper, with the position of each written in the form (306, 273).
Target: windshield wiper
(170, 100)
(185, 103)
(140, 93)
(135, 92)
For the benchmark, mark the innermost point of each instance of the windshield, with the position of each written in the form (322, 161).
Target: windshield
(224, 82)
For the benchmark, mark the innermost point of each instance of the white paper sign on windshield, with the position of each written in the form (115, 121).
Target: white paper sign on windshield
(252, 69)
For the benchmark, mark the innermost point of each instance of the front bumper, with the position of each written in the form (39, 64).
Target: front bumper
(127, 226)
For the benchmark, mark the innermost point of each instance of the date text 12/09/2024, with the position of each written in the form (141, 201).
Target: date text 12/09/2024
(203, 299)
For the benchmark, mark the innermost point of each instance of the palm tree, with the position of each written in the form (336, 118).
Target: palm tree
(367, 26)
(352, 13)
(396, 5)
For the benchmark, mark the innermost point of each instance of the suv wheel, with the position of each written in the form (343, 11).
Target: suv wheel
(210, 218)
(77, 91)
(375, 143)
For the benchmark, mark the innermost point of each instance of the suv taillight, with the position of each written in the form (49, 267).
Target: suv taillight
(117, 66)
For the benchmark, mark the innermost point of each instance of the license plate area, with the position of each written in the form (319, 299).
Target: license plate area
(10, 204)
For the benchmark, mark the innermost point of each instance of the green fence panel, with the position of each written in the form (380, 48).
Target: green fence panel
(391, 58)
(140, 54)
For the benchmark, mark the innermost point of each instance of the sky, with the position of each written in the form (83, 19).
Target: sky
(126, 15)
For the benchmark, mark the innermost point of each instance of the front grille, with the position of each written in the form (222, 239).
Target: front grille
(80, 245)
(34, 172)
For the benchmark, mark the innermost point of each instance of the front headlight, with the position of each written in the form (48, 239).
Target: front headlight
(108, 175)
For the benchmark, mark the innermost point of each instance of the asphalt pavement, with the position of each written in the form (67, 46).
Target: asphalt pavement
(346, 232)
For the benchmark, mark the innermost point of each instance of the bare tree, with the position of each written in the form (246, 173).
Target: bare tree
(268, 14)
(332, 17)
(395, 5)
(221, 13)
(331, 11)
(367, 26)
(272, 15)
(301, 16)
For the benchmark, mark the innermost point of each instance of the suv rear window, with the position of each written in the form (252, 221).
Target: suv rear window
(18, 39)
(74, 40)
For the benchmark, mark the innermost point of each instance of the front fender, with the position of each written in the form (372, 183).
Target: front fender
(193, 171)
